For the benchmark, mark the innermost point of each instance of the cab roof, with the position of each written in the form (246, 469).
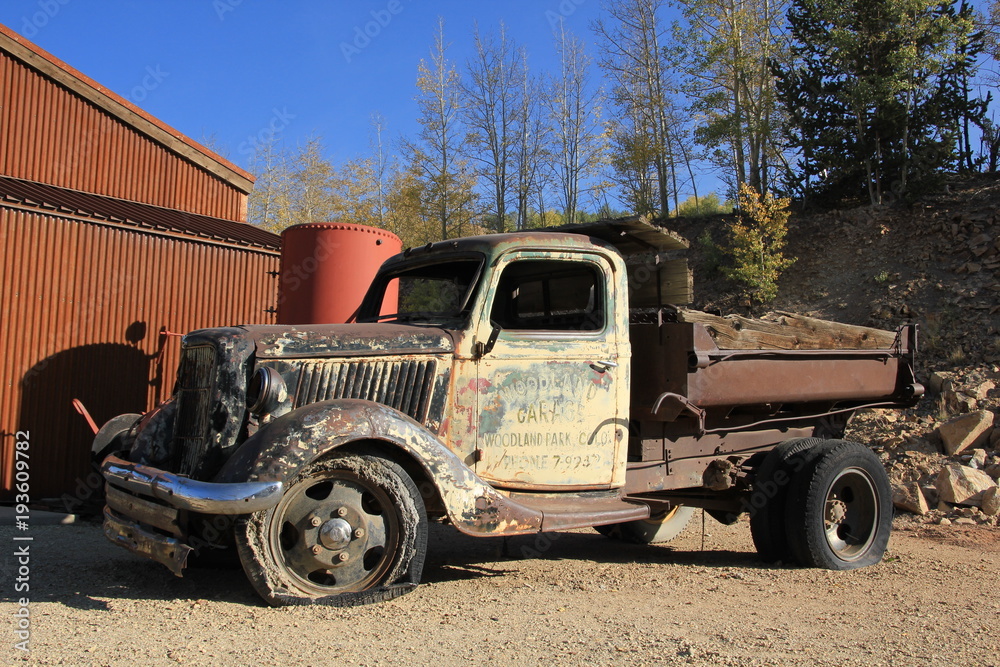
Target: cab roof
(629, 236)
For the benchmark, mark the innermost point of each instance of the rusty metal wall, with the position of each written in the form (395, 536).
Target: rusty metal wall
(82, 306)
(50, 135)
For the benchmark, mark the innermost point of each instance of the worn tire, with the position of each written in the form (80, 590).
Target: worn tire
(291, 552)
(657, 529)
(768, 499)
(839, 512)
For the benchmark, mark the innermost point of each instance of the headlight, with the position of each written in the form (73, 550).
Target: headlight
(266, 391)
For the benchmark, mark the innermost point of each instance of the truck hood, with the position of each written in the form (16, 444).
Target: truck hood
(347, 340)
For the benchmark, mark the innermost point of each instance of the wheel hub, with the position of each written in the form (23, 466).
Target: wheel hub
(335, 534)
(851, 514)
(836, 511)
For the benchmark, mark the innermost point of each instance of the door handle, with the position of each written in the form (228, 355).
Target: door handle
(603, 366)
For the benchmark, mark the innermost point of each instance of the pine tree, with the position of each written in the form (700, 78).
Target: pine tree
(868, 97)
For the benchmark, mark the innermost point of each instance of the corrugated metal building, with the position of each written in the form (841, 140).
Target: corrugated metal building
(115, 231)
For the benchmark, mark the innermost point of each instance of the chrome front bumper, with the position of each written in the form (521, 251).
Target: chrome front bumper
(135, 521)
(188, 494)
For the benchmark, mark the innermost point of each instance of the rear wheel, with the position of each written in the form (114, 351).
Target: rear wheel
(770, 492)
(657, 529)
(839, 512)
(350, 529)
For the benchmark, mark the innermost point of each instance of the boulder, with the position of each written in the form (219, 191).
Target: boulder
(991, 501)
(978, 460)
(910, 498)
(993, 471)
(971, 430)
(961, 485)
(939, 381)
(982, 391)
(955, 402)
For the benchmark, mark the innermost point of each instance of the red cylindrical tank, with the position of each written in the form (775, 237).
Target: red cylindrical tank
(326, 269)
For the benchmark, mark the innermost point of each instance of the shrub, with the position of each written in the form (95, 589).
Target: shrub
(710, 204)
(757, 238)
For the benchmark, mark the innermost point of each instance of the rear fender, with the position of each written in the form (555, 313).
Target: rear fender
(283, 447)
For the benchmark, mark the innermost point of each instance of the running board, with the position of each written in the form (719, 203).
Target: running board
(574, 511)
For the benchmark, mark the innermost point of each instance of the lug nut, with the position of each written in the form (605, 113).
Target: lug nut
(342, 556)
(315, 521)
(359, 533)
(316, 550)
(342, 512)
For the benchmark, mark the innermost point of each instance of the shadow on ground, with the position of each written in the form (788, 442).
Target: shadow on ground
(453, 555)
(76, 566)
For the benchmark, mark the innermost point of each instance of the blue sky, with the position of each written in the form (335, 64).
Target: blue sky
(233, 69)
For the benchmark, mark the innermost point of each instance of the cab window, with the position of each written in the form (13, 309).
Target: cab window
(436, 293)
(549, 295)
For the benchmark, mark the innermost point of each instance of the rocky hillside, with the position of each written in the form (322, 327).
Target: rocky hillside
(935, 262)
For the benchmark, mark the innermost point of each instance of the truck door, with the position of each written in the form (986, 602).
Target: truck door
(551, 388)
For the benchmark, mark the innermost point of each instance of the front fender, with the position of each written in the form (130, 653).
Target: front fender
(282, 448)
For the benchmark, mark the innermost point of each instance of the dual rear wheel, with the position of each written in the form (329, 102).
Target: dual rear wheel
(817, 503)
(821, 503)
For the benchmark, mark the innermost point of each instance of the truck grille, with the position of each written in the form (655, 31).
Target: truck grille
(403, 385)
(194, 386)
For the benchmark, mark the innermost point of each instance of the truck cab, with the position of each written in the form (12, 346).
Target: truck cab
(538, 396)
(504, 384)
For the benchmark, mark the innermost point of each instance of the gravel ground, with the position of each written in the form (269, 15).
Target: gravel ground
(563, 599)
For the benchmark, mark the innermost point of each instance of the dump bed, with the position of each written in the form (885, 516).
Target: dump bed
(684, 371)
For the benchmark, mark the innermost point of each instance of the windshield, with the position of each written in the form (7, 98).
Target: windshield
(438, 293)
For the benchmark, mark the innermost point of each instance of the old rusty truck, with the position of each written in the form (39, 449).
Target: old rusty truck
(506, 385)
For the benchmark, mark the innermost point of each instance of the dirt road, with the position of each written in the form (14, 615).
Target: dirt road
(566, 599)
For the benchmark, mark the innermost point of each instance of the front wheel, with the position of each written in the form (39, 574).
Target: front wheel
(839, 511)
(350, 529)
